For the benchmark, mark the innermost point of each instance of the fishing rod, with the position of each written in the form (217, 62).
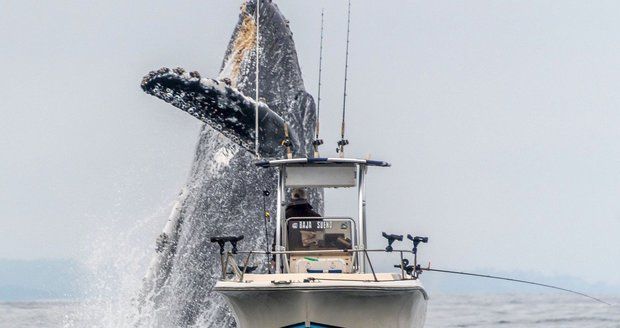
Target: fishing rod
(415, 270)
(267, 217)
(343, 142)
(257, 75)
(317, 142)
(513, 280)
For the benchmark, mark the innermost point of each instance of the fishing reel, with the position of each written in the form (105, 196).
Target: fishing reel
(221, 241)
(341, 144)
(317, 142)
(266, 213)
(406, 267)
(287, 143)
(390, 240)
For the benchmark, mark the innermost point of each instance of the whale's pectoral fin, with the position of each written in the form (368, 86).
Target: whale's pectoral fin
(222, 107)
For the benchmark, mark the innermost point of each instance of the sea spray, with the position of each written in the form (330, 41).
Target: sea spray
(112, 271)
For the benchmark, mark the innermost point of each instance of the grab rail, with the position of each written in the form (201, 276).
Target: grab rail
(228, 260)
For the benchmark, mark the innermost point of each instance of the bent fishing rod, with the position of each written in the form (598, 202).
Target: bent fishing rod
(415, 270)
(514, 280)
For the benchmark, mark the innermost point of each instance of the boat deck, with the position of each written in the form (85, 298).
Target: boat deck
(321, 281)
(299, 277)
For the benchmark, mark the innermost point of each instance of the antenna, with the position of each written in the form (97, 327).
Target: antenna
(343, 142)
(257, 74)
(317, 142)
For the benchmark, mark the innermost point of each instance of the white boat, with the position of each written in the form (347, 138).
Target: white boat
(323, 274)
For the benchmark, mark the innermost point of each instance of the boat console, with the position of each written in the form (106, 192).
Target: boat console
(315, 235)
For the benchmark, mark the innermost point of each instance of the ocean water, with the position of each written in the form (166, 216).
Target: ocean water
(490, 310)
(521, 310)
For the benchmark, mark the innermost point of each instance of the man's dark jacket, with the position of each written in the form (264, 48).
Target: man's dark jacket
(300, 208)
(296, 209)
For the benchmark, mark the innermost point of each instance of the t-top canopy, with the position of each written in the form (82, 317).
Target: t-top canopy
(321, 161)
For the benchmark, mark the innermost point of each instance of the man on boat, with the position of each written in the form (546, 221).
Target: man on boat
(299, 206)
(302, 233)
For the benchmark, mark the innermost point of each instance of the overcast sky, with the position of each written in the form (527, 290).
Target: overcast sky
(501, 119)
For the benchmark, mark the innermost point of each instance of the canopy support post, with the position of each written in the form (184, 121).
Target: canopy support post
(280, 200)
(361, 199)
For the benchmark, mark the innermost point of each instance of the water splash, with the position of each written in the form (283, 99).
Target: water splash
(113, 272)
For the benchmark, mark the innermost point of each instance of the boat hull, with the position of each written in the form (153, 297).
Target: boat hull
(352, 305)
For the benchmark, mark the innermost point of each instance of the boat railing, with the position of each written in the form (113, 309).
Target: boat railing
(231, 271)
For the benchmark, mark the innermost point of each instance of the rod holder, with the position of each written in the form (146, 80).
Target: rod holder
(416, 241)
(221, 241)
(390, 240)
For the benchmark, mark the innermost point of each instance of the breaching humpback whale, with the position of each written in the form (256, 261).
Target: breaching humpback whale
(224, 189)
